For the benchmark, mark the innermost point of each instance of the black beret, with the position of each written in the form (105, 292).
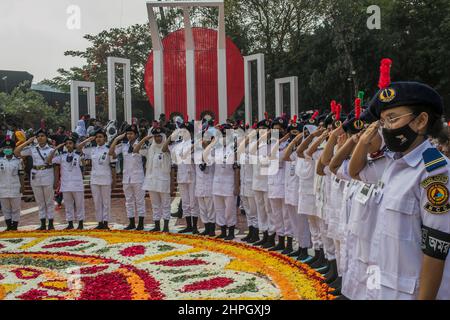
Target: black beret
(279, 121)
(406, 94)
(329, 119)
(264, 124)
(132, 128)
(41, 131)
(71, 138)
(8, 144)
(156, 131)
(225, 127)
(296, 126)
(100, 131)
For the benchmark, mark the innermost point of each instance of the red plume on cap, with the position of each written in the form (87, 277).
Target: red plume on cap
(338, 112)
(357, 108)
(385, 73)
(333, 106)
(315, 115)
(255, 126)
(294, 120)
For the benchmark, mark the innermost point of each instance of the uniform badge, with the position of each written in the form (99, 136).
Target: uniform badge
(437, 194)
(387, 95)
(358, 124)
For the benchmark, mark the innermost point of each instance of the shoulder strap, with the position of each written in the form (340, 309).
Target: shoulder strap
(40, 154)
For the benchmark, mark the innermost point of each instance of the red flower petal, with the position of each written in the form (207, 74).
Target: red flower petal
(211, 284)
(133, 251)
(181, 263)
(64, 244)
(26, 273)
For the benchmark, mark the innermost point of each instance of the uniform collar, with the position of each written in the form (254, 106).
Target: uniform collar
(415, 157)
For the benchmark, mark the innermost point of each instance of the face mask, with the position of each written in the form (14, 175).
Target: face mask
(399, 140)
(7, 152)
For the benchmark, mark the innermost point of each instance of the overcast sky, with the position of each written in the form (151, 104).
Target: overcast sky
(34, 33)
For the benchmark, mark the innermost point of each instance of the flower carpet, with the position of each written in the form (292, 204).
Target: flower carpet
(120, 265)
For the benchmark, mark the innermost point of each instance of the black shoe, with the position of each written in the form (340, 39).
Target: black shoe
(140, 226)
(207, 228)
(270, 242)
(105, 225)
(320, 261)
(295, 253)
(249, 234)
(50, 225)
(157, 227)
(263, 240)
(14, 225)
(255, 237)
(166, 226)
(194, 225)
(69, 226)
(212, 230)
(179, 213)
(323, 270)
(8, 224)
(80, 225)
(281, 244)
(289, 248)
(100, 226)
(230, 235)
(131, 225)
(43, 226)
(316, 256)
(337, 284)
(188, 228)
(223, 233)
(332, 274)
(303, 254)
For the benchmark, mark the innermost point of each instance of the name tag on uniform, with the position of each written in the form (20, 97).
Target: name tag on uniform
(365, 193)
(292, 171)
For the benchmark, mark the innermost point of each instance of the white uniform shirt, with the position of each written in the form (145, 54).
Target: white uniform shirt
(260, 169)
(276, 181)
(223, 183)
(133, 168)
(71, 176)
(185, 166)
(101, 165)
(291, 181)
(39, 177)
(204, 181)
(9, 177)
(397, 238)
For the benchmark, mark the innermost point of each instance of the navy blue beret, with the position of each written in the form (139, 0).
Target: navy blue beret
(279, 121)
(406, 94)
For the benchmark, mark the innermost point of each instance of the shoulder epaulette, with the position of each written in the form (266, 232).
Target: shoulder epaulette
(433, 159)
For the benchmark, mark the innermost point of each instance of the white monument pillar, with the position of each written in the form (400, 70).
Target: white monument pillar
(75, 103)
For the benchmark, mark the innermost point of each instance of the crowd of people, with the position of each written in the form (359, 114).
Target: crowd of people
(367, 191)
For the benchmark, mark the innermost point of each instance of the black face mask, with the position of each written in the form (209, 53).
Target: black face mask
(399, 140)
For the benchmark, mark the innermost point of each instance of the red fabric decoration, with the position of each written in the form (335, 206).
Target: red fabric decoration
(358, 108)
(206, 70)
(385, 73)
(294, 120)
(338, 112)
(333, 106)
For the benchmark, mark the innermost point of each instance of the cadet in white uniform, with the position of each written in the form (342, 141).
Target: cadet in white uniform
(204, 177)
(42, 176)
(11, 180)
(71, 177)
(103, 177)
(225, 183)
(412, 233)
(299, 222)
(133, 176)
(157, 177)
(181, 152)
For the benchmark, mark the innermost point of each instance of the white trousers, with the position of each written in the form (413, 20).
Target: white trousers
(314, 227)
(337, 246)
(11, 208)
(225, 207)
(328, 243)
(251, 213)
(300, 227)
(74, 204)
(276, 219)
(160, 205)
(102, 202)
(44, 198)
(134, 199)
(263, 209)
(189, 201)
(206, 207)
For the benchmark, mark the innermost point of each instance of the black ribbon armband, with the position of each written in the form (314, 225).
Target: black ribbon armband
(435, 243)
(21, 172)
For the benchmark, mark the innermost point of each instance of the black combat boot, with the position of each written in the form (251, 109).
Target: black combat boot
(166, 226)
(313, 259)
(295, 253)
(263, 240)
(69, 226)
(43, 225)
(157, 227)
(194, 225)
(255, 236)
(281, 244)
(206, 231)
(8, 224)
(230, 235)
(80, 225)
(332, 274)
(105, 225)
(270, 242)
(289, 248)
(50, 225)
(249, 234)
(140, 226)
(318, 259)
(131, 225)
(212, 229)
(100, 226)
(14, 225)
(303, 254)
(223, 233)
(188, 226)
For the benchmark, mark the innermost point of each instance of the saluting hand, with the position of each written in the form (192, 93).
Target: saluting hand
(370, 134)
(31, 140)
(121, 137)
(338, 132)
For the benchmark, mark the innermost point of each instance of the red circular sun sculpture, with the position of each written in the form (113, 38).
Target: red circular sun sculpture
(206, 81)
